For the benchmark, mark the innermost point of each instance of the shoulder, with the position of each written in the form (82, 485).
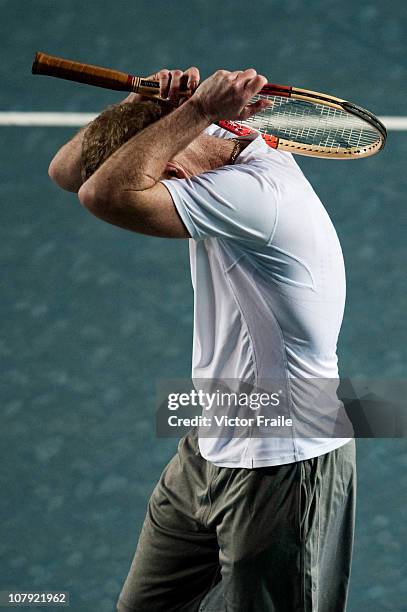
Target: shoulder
(277, 170)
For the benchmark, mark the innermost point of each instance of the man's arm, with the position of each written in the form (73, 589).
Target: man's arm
(126, 190)
(65, 167)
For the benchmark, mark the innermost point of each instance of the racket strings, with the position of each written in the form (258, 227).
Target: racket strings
(313, 124)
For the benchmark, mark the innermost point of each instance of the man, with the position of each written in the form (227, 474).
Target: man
(262, 523)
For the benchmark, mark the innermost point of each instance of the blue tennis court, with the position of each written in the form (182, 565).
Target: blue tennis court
(94, 316)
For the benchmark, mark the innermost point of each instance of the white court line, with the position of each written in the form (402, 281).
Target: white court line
(392, 123)
(45, 119)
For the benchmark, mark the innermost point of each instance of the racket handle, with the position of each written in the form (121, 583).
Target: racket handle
(50, 65)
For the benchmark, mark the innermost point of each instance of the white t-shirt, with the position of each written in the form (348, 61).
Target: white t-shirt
(269, 289)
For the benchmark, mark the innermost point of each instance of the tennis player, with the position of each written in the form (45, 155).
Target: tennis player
(236, 524)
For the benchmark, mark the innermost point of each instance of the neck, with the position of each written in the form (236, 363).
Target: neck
(207, 153)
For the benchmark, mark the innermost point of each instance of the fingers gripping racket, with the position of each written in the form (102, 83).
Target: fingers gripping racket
(299, 120)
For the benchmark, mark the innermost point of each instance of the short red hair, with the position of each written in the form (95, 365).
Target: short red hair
(112, 128)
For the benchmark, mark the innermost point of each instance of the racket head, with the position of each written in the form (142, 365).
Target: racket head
(314, 124)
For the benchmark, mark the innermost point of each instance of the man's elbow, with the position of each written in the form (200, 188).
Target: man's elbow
(63, 177)
(112, 206)
(88, 197)
(95, 200)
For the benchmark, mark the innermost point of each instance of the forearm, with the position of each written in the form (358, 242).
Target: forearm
(140, 163)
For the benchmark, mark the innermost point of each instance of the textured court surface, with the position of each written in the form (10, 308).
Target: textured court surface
(92, 315)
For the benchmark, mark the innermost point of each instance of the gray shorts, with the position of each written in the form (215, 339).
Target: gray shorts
(272, 539)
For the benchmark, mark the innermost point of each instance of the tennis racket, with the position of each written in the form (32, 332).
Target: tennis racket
(299, 120)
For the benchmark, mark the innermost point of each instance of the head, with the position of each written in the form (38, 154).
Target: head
(112, 128)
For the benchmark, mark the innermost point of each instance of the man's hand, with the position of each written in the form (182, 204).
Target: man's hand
(175, 85)
(174, 82)
(226, 95)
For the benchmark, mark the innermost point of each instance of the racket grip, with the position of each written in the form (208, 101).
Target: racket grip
(50, 65)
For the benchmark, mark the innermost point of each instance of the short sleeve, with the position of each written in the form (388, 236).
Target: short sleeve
(234, 202)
